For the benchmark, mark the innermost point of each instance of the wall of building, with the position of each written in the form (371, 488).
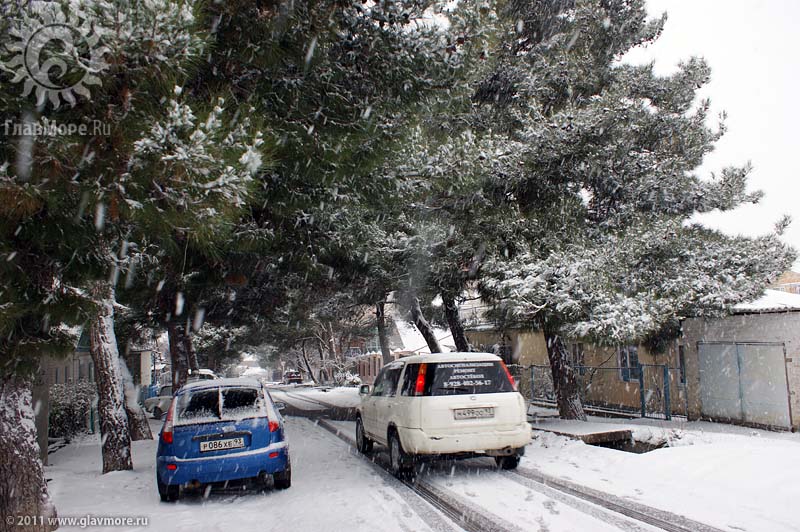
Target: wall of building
(783, 327)
(603, 386)
(75, 366)
(370, 364)
(524, 347)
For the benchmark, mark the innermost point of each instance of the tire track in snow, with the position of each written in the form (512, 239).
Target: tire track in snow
(463, 513)
(598, 512)
(432, 518)
(571, 493)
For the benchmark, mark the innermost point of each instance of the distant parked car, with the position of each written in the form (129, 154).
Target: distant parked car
(444, 404)
(292, 377)
(219, 431)
(202, 374)
(159, 404)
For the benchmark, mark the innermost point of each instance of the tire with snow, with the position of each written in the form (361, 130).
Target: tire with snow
(283, 479)
(168, 493)
(363, 444)
(400, 462)
(507, 462)
(157, 413)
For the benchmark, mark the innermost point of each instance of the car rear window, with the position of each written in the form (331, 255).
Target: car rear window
(220, 404)
(458, 378)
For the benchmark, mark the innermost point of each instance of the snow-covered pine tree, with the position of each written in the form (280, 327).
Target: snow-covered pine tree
(604, 175)
(339, 84)
(83, 209)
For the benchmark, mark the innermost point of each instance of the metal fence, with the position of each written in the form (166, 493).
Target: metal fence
(648, 390)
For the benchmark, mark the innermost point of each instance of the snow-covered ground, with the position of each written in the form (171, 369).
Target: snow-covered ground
(332, 490)
(733, 478)
(524, 505)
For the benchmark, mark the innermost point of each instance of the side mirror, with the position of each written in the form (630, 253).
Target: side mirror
(363, 389)
(281, 406)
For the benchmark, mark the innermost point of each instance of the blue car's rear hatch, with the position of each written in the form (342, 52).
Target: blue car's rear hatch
(220, 421)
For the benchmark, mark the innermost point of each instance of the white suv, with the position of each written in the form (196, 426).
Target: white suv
(455, 404)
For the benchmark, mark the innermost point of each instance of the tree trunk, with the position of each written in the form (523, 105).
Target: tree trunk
(179, 358)
(424, 327)
(565, 382)
(116, 437)
(329, 333)
(322, 373)
(191, 353)
(454, 321)
(383, 339)
(23, 491)
(306, 362)
(137, 419)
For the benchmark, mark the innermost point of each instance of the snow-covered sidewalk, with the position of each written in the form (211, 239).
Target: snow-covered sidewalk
(733, 478)
(332, 490)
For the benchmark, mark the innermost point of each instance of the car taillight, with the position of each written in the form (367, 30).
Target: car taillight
(166, 432)
(419, 387)
(510, 377)
(273, 426)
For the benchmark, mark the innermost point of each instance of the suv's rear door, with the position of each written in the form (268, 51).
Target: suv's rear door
(469, 396)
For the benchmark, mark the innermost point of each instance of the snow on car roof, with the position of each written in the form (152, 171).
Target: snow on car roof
(216, 383)
(450, 357)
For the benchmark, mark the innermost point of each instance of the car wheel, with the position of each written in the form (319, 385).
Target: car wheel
(507, 462)
(363, 444)
(157, 413)
(168, 493)
(283, 479)
(400, 462)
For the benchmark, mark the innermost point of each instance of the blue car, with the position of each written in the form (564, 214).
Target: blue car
(218, 431)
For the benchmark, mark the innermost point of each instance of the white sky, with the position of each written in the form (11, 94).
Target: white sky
(753, 48)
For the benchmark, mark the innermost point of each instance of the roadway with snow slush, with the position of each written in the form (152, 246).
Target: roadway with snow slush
(333, 489)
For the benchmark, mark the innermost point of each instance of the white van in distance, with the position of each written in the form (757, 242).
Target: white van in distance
(444, 404)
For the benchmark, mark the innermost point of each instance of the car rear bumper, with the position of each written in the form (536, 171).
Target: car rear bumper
(207, 469)
(417, 441)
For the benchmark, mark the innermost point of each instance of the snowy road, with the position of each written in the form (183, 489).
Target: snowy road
(332, 489)
(523, 505)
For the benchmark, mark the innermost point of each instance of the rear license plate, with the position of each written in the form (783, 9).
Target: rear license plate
(221, 445)
(473, 413)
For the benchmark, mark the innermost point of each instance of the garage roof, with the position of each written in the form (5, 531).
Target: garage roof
(771, 301)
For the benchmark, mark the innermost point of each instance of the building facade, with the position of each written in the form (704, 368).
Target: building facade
(745, 368)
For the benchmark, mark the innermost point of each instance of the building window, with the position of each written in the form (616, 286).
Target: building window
(56, 379)
(628, 362)
(66, 374)
(682, 363)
